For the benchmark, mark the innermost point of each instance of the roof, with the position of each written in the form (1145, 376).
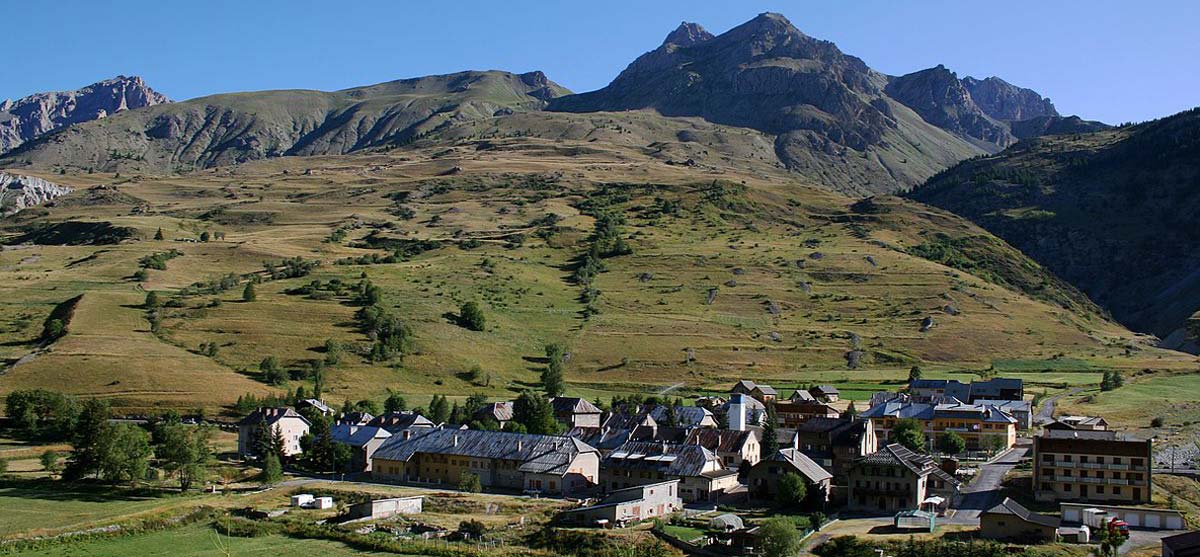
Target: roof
(315, 403)
(685, 415)
(1078, 421)
(270, 416)
(800, 395)
(1008, 405)
(975, 390)
(602, 438)
(745, 385)
(668, 458)
(719, 440)
(350, 434)
(1091, 435)
(1010, 507)
(499, 411)
(800, 463)
(396, 421)
(825, 389)
(766, 389)
(900, 409)
(821, 424)
(894, 454)
(356, 418)
(1186, 544)
(625, 418)
(539, 454)
(573, 405)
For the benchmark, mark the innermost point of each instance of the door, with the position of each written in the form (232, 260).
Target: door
(1134, 519)
(1153, 521)
(1083, 491)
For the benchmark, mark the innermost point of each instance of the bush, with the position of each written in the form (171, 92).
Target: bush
(471, 317)
(792, 490)
(778, 538)
(469, 482)
(1156, 422)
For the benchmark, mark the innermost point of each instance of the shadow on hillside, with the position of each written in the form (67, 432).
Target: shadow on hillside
(50, 490)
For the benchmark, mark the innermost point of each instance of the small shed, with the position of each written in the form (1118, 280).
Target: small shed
(727, 522)
(321, 503)
(302, 500)
(913, 519)
(1075, 534)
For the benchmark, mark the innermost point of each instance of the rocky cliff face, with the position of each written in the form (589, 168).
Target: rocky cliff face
(32, 116)
(1004, 101)
(21, 192)
(944, 101)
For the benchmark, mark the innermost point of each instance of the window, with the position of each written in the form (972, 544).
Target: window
(1099, 489)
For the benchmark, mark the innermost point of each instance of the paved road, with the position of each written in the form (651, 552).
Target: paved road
(1045, 414)
(984, 490)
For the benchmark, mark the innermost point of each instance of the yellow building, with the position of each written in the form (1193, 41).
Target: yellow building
(548, 464)
(977, 424)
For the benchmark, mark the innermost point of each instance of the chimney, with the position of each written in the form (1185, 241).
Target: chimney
(796, 441)
(406, 435)
(518, 445)
(737, 412)
(455, 439)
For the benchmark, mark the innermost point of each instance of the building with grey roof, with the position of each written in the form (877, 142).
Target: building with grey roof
(764, 477)
(398, 422)
(835, 443)
(285, 422)
(895, 478)
(975, 423)
(575, 412)
(499, 412)
(548, 464)
(1009, 520)
(362, 440)
(701, 473)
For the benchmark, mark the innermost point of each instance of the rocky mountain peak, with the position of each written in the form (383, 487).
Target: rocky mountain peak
(1005, 101)
(687, 34)
(40, 113)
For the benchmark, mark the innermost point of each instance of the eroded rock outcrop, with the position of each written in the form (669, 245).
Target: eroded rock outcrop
(21, 192)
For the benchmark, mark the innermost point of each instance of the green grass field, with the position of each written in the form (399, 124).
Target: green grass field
(37, 509)
(1175, 398)
(199, 540)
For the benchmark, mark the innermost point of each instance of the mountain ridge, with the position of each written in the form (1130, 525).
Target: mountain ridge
(34, 115)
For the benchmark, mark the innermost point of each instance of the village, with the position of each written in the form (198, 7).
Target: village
(929, 457)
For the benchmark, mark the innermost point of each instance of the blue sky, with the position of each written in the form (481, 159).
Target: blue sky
(1109, 60)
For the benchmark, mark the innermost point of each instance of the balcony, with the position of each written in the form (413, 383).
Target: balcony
(1116, 481)
(1092, 465)
(883, 490)
(1118, 466)
(1064, 464)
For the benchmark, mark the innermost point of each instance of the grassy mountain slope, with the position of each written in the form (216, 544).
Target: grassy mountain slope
(239, 127)
(1113, 212)
(734, 273)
